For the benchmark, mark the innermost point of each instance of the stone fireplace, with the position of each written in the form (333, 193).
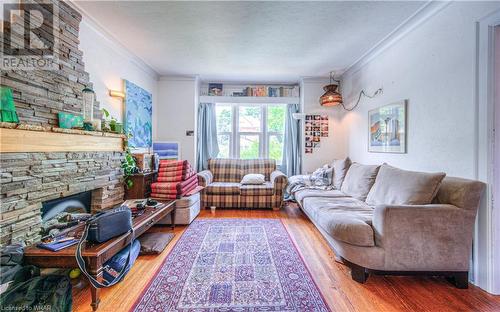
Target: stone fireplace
(38, 160)
(29, 179)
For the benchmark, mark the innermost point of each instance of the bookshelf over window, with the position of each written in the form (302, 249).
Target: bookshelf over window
(211, 92)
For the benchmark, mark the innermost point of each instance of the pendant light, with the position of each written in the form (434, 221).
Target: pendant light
(331, 97)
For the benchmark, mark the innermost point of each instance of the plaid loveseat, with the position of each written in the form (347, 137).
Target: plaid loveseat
(223, 188)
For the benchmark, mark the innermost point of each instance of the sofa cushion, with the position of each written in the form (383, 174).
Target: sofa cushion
(340, 167)
(303, 193)
(228, 188)
(262, 166)
(225, 170)
(344, 218)
(359, 180)
(395, 186)
(253, 178)
(257, 190)
(349, 229)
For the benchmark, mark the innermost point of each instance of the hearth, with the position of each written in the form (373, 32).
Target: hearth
(64, 213)
(78, 203)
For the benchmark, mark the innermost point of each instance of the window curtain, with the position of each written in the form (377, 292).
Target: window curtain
(291, 163)
(207, 135)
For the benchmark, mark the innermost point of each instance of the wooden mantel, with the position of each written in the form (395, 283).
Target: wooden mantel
(16, 140)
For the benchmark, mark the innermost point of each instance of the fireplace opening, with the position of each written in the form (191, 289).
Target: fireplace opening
(63, 213)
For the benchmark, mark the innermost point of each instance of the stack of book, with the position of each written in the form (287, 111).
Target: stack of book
(260, 91)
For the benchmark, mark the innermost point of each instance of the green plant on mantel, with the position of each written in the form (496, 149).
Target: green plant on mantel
(111, 122)
(128, 164)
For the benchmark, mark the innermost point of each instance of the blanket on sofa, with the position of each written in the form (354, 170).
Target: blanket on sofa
(320, 179)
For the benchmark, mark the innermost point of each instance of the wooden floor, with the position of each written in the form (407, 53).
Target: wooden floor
(341, 293)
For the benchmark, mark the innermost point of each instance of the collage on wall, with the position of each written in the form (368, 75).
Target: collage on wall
(316, 127)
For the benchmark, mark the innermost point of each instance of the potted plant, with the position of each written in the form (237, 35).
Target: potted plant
(110, 123)
(129, 165)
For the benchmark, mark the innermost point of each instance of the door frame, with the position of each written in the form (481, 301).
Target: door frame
(486, 253)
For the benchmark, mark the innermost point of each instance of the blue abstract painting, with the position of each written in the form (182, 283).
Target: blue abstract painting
(167, 150)
(138, 115)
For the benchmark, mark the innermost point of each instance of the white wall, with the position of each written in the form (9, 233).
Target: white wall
(176, 112)
(331, 147)
(434, 67)
(108, 63)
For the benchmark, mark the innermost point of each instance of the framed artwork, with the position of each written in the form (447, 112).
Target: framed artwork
(138, 115)
(387, 128)
(167, 150)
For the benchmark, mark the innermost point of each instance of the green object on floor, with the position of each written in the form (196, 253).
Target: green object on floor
(68, 121)
(32, 292)
(7, 107)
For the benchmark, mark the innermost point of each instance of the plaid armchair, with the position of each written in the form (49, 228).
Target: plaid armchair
(223, 188)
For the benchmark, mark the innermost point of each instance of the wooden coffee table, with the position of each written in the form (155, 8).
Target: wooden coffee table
(96, 255)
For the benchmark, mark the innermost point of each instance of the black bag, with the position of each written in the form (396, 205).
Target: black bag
(100, 228)
(11, 258)
(108, 224)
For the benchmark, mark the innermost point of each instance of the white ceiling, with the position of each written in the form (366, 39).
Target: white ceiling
(249, 41)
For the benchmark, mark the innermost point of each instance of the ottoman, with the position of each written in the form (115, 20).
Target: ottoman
(186, 209)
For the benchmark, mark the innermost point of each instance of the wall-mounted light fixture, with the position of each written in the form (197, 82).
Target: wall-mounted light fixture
(116, 93)
(332, 96)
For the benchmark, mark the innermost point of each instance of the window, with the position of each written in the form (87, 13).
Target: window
(251, 130)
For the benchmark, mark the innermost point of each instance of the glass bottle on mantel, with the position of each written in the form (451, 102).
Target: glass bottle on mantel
(88, 104)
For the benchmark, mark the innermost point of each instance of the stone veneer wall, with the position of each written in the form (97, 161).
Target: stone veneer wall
(40, 94)
(28, 179)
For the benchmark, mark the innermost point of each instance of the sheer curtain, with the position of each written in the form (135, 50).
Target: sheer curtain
(207, 135)
(291, 163)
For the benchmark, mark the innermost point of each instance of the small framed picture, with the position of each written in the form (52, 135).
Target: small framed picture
(387, 128)
(167, 150)
(215, 89)
(309, 150)
(324, 134)
(309, 144)
(316, 144)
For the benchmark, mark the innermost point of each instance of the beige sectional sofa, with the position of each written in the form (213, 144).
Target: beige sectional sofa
(385, 220)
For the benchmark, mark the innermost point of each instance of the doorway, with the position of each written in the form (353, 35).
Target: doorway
(496, 157)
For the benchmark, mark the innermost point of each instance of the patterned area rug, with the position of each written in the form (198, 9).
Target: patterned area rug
(233, 265)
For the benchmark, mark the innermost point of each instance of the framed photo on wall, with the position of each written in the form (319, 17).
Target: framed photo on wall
(387, 128)
(167, 150)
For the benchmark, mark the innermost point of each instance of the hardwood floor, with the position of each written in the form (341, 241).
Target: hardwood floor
(379, 293)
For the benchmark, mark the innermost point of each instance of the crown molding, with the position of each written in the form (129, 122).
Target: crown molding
(120, 48)
(310, 79)
(411, 23)
(178, 78)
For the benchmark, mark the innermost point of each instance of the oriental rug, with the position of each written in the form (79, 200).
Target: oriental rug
(233, 265)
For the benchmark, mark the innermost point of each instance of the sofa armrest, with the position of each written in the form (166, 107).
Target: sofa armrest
(423, 237)
(205, 177)
(279, 181)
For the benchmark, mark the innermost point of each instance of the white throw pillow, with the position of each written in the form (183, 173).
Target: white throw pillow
(253, 178)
